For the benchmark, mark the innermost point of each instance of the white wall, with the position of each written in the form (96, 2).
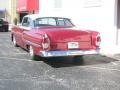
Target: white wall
(96, 15)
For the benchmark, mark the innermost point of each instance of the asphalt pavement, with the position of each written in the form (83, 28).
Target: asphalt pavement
(19, 72)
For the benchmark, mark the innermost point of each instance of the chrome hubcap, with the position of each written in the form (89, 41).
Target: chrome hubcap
(14, 41)
(31, 51)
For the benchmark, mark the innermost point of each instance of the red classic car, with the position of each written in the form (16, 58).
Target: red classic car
(54, 37)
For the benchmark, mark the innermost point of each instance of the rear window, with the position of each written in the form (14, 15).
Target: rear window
(53, 21)
(45, 22)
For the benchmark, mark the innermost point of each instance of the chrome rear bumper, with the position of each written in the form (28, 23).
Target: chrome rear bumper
(68, 53)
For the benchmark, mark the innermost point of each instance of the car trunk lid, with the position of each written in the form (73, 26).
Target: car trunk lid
(68, 38)
(68, 35)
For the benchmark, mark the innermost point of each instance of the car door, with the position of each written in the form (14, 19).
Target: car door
(25, 26)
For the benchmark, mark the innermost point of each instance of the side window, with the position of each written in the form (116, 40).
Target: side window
(61, 22)
(26, 22)
(68, 23)
(43, 21)
(40, 22)
(64, 22)
(52, 21)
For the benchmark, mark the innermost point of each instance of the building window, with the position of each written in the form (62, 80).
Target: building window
(92, 3)
(57, 3)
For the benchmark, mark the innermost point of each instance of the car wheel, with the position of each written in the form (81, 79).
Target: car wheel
(31, 52)
(14, 42)
(78, 59)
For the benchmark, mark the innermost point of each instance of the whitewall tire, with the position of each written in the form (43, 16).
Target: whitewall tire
(14, 41)
(31, 52)
(32, 55)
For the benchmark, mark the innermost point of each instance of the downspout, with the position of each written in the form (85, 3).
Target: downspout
(116, 21)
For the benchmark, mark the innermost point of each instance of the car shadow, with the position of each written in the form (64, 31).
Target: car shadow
(58, 62)
(63, 62)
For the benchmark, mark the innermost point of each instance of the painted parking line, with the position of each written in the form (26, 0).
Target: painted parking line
(20, 53)
(15, 59)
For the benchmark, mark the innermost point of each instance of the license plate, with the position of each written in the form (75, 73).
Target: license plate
(72, 45)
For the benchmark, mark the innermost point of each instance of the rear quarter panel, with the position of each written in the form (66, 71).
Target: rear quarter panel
(94, 34)
(33, 39)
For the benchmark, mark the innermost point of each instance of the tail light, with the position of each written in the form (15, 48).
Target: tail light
(46, 42)
(98, 40)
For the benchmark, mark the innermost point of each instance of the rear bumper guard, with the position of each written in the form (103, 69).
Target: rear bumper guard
(68, 53)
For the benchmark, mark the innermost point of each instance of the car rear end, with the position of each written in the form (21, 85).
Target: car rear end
(70, 43)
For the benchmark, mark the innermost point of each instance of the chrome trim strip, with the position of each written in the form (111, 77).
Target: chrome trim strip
(68, 53)
(33, 44)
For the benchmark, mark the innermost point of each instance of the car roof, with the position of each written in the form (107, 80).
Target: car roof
(35, 16)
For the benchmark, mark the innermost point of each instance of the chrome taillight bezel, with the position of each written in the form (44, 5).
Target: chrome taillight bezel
(45, 44)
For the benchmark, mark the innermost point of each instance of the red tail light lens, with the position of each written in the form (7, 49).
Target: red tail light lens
(98, 40)
(46, 42)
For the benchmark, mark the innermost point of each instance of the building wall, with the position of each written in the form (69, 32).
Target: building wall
(13, 12)
(99, 15)
(10, 7)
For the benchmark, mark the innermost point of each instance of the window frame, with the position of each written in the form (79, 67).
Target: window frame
(28, 22)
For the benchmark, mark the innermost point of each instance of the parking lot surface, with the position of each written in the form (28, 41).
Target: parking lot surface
(19, 72)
